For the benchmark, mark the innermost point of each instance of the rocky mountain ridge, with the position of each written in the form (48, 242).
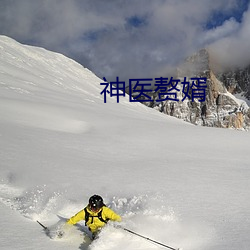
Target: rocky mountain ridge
(237, 81)
(220, 108)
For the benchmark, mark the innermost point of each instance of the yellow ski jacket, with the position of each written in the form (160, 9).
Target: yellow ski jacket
(94, 223)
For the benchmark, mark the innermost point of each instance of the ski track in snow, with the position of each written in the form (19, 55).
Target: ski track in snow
(43, 117)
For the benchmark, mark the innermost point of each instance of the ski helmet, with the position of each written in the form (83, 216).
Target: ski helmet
(95, 202)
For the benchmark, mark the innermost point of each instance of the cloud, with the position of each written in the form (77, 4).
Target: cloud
(226, 29)
(132, 38)
(232, 50)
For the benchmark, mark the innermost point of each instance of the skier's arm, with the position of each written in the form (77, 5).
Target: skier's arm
(77, 217)
(110, 214)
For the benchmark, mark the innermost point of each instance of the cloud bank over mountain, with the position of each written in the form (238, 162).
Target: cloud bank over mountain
(130, 38)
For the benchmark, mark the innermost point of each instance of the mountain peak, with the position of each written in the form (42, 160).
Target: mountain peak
(220, 108)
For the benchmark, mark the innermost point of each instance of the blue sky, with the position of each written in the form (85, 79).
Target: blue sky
(131, 38)
(218, 17)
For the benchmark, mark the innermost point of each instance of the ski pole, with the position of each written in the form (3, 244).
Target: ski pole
(45, 228)
(146, 238)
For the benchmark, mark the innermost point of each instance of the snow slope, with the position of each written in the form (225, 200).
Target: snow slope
(176, 183)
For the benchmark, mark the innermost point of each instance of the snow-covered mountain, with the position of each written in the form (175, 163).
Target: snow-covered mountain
(182, 185)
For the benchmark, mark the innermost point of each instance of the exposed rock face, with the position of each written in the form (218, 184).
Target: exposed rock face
(237, 81)
(220, 108)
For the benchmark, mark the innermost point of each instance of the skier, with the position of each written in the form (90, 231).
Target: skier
(95, 214)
